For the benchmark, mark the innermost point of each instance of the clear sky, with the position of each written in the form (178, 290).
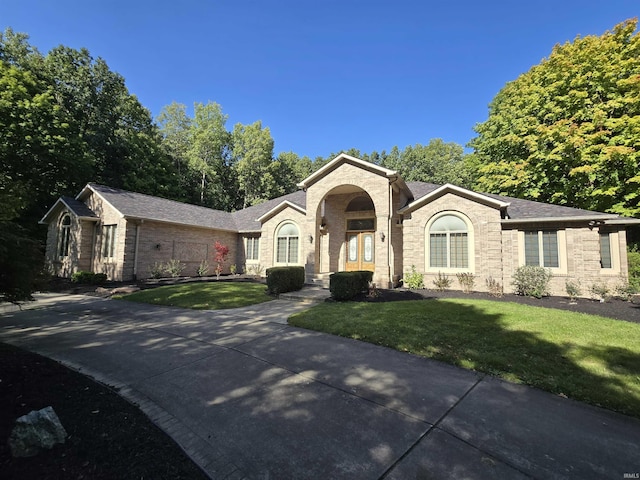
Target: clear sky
(323, 75)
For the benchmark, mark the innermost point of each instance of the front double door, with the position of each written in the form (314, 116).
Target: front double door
(360, 251)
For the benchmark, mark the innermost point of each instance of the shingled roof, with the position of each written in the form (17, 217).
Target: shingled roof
(519, 209)
(76, 207)
(139, 205)
(247, 219)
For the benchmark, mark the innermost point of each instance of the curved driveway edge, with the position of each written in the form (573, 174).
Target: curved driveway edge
(247, 396)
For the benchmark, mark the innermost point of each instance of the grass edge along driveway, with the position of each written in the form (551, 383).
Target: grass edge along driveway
(585, 357)
(203, 296)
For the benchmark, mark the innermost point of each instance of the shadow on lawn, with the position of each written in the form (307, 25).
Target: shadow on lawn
(469, 337)
(556, 368)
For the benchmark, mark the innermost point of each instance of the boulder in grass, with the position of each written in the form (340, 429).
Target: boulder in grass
(34, 431)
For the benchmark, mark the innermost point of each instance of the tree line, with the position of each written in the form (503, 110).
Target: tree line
(565, 132)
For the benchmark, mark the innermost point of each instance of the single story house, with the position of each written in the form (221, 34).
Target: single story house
(348, 215)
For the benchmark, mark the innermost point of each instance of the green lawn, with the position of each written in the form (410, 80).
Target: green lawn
(585, 357)
(204, 296)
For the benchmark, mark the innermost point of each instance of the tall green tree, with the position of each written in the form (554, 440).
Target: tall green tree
(209, 155)
(119, 143)
(568, 130)
(287, 170)
(437, 162)
(253, 154)
(40, 150)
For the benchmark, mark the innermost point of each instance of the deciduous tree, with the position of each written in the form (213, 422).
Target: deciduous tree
(568, 130)
(253, 154)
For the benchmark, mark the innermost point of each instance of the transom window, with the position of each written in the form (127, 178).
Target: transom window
(287, 242)
(541, 248)
(64, 235)
(108, 241)
(449, 243)
(361, 224)
(253, 248)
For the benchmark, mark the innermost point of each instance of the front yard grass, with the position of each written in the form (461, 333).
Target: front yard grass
(203, 296)
(585, 357)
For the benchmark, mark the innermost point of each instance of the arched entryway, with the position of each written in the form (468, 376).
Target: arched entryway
(346, 221)
(360, 246)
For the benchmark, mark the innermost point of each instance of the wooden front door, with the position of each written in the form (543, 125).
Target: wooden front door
(360, 253)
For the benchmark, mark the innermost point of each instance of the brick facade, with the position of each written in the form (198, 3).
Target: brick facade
(401, 231)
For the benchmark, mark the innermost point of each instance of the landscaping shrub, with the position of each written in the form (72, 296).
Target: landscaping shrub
(346, 285)
(531, 281)
(89, 278)
(441, 282)
(203, 269)
(633, 260)
(174, 267)
(466, 281)
(573, 289)
(494, 287)
(284, 279)
(413, 280)
(623, 290)
(600, 291)
(156, 270)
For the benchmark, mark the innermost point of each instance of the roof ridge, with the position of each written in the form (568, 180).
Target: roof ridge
(157, 197)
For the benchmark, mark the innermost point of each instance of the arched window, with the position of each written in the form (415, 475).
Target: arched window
(287, 242)
(63, 236)
(449, 242)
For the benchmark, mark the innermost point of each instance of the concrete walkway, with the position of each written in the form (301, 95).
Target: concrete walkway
(247, 396)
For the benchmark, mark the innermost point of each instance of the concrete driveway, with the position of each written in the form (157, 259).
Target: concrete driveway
(247, 396)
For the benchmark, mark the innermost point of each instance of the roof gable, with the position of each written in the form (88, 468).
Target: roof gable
(516, 210)
(76, 207)
(248, 219)
(278, 208)
(340, 160)
(434, 193)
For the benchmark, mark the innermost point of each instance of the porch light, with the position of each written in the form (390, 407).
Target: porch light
(310, 238)
(382, 236)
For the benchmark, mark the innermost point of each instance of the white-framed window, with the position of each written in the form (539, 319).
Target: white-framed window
(605, 251)
(287, 244)
(541, 248)
(64, 235)
(252, 248)
(449, 244)
(108, 241)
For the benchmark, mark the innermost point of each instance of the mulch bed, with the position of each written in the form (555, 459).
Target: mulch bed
(108, 438)
(613, 308)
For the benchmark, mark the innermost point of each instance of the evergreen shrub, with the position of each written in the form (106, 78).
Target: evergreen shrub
(89, 278)
(346, 285)
(284, 279)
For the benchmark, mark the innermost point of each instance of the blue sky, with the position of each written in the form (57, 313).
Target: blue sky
(323, 75)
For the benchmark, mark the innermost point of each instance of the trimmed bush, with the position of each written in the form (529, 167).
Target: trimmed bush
(284, 279)
(346, 285)
(531, 281)
(89, 278)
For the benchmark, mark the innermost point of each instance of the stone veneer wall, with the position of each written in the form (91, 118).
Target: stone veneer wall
(161, 242)
(377, 186)
(487, 240)
(581, 258)
(80, 243)
(267, 237)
